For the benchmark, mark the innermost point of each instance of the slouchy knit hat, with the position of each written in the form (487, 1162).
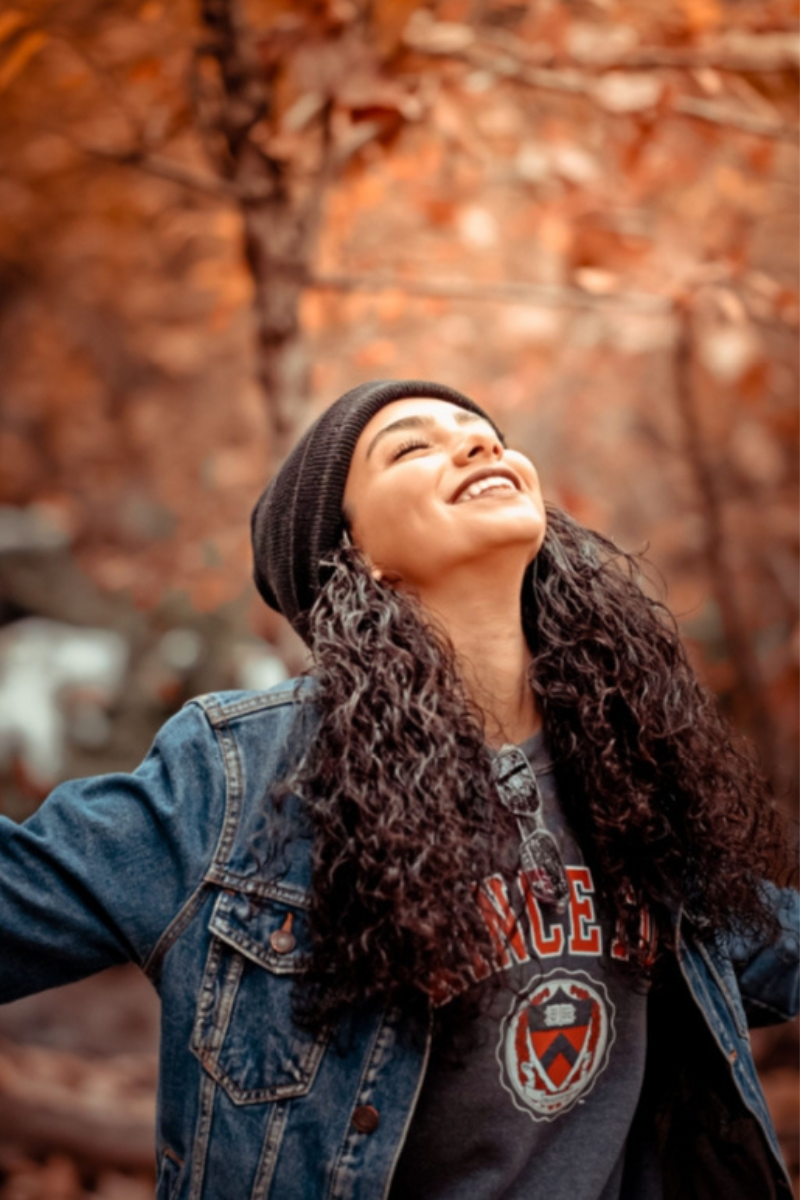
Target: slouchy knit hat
(298, 519)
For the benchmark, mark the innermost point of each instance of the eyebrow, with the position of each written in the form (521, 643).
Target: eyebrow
(462, 417)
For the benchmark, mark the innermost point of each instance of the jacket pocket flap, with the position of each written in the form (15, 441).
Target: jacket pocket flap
(269, 933)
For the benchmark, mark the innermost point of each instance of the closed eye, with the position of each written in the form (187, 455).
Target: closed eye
(407, 446)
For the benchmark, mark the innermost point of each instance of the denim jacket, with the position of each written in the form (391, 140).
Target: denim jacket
(161, 867)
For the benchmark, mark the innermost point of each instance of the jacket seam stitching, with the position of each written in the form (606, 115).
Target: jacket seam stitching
(183, 917)
(739, 1022)
(336, 1165)
(290, 894)
(202, 1136)
(233, 792)
(268, 1159)
(412, 1106)
(767, 1007)
(179, 923)
(219, 713)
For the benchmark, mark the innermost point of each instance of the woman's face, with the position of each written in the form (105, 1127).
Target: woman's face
(431, 488)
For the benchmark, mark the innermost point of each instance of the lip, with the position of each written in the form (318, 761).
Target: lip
(484, 473)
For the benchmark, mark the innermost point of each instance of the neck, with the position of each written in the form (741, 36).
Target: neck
(480, 610)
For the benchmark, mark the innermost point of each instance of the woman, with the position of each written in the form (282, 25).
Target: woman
(478, 908)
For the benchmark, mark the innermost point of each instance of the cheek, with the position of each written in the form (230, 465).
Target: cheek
(531, 478)
(525, 467)
(395, 528)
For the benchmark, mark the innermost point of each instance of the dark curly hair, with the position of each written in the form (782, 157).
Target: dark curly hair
(667, 804)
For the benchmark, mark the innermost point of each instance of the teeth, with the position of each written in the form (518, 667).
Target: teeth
(485, 485)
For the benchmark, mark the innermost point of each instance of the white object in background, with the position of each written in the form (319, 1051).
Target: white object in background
(39, 660)
(31, 528)
(256, 668)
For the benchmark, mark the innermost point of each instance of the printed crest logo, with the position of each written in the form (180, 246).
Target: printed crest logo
(555, 1043)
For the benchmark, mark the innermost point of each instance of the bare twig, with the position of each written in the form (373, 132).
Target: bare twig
(106, 80)
(205, 110)
(566, 79)
(738, 51)
(165, 168)
(314, 208)
(717, 114)
(721, 58)
(647, 304)
(544, 295)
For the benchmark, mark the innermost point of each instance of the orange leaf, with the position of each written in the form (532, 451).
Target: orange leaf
(20, 56)
(10, 22)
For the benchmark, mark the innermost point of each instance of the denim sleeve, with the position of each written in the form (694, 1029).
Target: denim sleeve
(769, 976)
(101, 870)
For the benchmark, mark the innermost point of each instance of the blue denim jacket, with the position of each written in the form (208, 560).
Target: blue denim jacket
(159, 868)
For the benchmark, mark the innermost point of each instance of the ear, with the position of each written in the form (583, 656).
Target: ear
(390, 578)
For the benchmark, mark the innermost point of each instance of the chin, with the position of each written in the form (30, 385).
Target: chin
(528, 531)
(518, 547)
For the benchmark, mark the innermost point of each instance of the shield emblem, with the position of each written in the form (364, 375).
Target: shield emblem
(558, 1036)
(555, 1042)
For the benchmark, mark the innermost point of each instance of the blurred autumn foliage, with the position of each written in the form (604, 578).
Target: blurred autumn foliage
(215, 217)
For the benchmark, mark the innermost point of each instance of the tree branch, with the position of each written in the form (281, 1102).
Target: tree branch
(165, 168)
(314, 209)
(583, 80)
(717, 114)
(545, 295)
(722, 57)
(738, 51)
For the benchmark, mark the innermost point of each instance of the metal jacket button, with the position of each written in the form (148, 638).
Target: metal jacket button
(283, 940)
(366, 1119)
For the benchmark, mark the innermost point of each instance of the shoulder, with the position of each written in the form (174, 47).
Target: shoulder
(257, 733)
(232, 734)
(229, 708)
(206, 723)
(260, 737)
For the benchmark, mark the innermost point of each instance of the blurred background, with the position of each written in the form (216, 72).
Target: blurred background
(215, 217)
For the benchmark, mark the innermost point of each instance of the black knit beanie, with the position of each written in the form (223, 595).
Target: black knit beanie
(298, 519)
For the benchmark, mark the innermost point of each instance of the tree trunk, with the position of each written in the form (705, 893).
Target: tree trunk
(750, 698)
(278, 227)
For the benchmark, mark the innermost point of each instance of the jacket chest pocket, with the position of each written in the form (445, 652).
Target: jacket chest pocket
(244, 1034)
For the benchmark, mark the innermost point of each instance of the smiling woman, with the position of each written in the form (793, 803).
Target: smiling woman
(427, 509)
(479, 908)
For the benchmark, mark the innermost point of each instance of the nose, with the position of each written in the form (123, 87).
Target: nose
(477, 444)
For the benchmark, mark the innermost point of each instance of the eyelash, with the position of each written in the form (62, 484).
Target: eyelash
(405, 447)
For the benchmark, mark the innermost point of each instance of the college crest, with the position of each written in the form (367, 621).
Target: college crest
(555, 1042)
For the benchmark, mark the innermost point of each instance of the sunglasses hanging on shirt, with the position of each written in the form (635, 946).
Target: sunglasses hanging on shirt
(539, 855)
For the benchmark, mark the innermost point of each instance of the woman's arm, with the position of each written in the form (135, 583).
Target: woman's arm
(99, 872)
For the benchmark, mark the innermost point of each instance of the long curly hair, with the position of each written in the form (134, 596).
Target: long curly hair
(667, 804)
